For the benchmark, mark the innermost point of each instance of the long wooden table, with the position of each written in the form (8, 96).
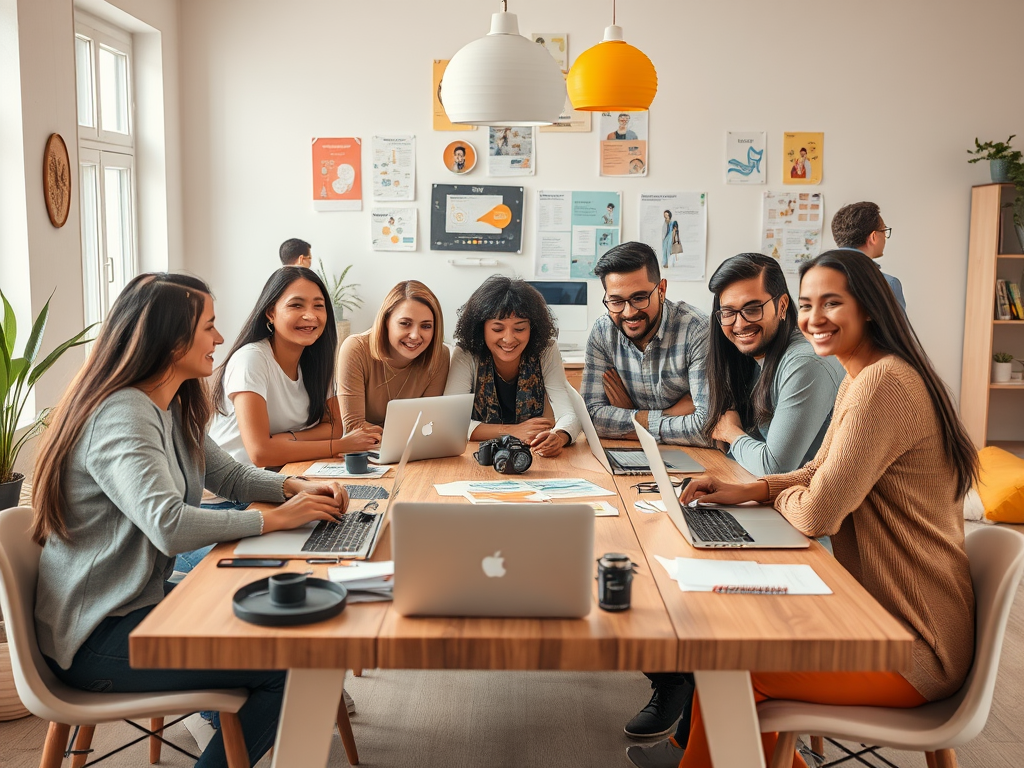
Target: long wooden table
(720, 637)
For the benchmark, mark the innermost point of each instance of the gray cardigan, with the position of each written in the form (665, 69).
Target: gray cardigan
(133, 494)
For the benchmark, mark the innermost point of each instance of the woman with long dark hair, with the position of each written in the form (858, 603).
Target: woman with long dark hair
(118, 479)
(274, 394)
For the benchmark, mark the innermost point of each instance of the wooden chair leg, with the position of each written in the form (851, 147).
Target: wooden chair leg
(348, 739)
(357, 672)
(56, 743)
(156, 724)
(944, 758)
(234, 740)
(784, 749)
(929, 759)
(83, 742)
(818, 744)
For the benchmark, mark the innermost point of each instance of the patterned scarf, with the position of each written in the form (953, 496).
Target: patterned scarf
(529, 398)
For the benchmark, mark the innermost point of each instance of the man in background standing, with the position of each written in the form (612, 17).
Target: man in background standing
(296, 253)
(859, 227)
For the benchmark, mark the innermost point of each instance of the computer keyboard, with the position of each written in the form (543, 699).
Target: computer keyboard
(711, 524)
(629, 459)
(347, 535)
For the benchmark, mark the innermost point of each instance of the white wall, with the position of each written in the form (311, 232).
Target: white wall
(899, 89)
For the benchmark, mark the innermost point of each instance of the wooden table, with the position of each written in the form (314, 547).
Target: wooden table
(721, 637)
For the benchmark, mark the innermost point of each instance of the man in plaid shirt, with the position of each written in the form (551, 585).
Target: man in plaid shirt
(646, 356)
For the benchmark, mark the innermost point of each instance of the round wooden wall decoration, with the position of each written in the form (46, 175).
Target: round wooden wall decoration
(57, 180)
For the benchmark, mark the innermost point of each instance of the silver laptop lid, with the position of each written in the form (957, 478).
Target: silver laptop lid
(399, 476)
(580, 407)
(665, 487)
(444, 431)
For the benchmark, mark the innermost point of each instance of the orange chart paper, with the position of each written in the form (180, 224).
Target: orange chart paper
(337, 175)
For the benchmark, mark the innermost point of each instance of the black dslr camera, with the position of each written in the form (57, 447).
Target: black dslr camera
(507, 454)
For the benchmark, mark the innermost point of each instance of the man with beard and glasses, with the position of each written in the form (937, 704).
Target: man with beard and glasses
(646, 356)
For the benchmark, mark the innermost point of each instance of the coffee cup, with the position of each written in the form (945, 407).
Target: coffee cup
(287, 590)
(357, 463)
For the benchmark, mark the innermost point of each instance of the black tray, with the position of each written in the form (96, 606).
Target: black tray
(324, 600)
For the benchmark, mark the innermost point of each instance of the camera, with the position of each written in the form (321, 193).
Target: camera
(507, 454)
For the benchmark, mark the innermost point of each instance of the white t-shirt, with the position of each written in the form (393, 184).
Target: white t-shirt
(254, 369)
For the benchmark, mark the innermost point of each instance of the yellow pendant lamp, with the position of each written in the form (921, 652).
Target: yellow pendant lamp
(613, 76)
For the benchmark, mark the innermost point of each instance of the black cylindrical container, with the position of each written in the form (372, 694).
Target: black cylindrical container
(614, 582)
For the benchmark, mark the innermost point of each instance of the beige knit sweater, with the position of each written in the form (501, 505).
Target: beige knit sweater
(882, 487)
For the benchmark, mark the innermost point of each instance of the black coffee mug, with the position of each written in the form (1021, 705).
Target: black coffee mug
(287, 590)
(357, 463)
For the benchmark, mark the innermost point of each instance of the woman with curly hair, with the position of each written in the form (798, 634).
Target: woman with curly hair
(507, 357)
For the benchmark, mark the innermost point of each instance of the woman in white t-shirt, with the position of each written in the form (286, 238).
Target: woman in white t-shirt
(274, 394)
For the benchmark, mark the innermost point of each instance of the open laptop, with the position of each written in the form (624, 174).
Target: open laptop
(707, 527)
(509, 560)
(627, 461)
(445, 430)
(354, 537)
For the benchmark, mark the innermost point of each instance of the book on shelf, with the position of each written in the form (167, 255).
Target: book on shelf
(1002, 301)
(1015, 301)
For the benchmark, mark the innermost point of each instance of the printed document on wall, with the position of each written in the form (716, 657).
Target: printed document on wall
(394, 167)
(791, 227)
(511, 151)
(623, 143)
(393, 229)
(337, 175)
(744, 157)
(675, 225)
(574, 230)
(803, 158)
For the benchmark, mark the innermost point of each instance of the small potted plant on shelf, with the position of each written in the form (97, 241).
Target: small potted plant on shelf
(343, 296)
(1000, 156)
(1002, 364)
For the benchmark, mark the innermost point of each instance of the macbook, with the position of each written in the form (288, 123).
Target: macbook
(509, 560)
(707, 527)
(444, 429)
(627, 461)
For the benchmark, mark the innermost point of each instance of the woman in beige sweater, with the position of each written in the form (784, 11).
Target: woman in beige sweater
(887, 485)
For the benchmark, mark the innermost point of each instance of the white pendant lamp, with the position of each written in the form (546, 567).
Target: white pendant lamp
(503, 79)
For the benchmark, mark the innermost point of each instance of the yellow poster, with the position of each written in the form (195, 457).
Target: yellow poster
(803, 156)
(441, 121)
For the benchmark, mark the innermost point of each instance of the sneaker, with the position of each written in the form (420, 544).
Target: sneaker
(350, 704)
(662, 712)
(202, 730)
(664, 754)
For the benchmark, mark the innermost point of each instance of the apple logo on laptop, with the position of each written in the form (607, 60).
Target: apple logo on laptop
(493, 565)
(428, 429)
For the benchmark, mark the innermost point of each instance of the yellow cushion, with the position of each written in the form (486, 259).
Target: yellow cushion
(1001, 485)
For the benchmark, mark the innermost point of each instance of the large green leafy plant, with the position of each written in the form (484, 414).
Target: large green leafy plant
(17, 377)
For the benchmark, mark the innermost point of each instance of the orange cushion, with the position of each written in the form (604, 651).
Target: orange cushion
(1001, 485)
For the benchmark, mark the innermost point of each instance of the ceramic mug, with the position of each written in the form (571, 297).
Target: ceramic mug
(357, 463)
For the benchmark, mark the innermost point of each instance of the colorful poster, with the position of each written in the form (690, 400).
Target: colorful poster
(556, 43)
(623, 143)
(803, 157)
(569, 121)
(574, 230)
(744, 157)
(791, 227)
(476, 218)
(510, 151)
(441, 121)
(393, 229)
(394, 167)
(459, 157)
(337, 175)
(675, 225)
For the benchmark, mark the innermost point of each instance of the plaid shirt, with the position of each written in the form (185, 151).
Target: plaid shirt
(670, 367)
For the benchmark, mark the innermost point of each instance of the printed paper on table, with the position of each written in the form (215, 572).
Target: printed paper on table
(556, 43)
(675, 225)
(574, 230)
(803, 157)
(393, 229)
(441, 121)
(511, 151)
(337, 175)
(570, 120)
(791, 227)
(745, 161)
(623, 138)
(394, 168)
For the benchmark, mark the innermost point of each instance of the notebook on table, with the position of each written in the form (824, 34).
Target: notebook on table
(444, 429)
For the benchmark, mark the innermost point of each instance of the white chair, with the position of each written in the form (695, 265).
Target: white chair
(47, 697)
(997, 561)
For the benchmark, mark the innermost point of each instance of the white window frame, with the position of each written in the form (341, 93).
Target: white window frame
(104, 35)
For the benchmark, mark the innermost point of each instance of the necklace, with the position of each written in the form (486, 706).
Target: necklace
(394, 375)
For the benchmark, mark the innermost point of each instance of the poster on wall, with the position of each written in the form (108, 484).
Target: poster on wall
(570, 120)
(791, 227)
(466, 217)
(394, 168)
(574, 230)
(556, 43)
(511, 151)
(623, 143)
(393, 229)
(337, 175)
(744, 157)
(441, 121)
(675, 225)
(803, 158)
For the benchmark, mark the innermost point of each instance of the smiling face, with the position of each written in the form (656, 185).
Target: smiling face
(197, 361)
(637, 324)
(832, 319)
(752, 338)
(507, 339)
(410, 330)
(623, 123)
(300, 313)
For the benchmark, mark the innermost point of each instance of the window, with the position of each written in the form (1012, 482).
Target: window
(106, 151)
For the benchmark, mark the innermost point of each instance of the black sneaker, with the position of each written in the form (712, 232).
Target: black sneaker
(660, 715)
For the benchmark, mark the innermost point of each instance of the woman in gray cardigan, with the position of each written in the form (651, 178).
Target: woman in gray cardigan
(118, 481)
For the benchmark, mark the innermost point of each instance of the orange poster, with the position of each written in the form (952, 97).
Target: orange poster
(337, 175)
(441, 121)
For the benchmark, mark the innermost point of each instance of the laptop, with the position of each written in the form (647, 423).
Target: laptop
(355, 537)
(627, 461)
(717, 527)
(445, 430)
(507, 560)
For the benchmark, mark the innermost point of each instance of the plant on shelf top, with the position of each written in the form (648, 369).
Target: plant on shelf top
(1002, 357)
(343, 296)
(994, 150)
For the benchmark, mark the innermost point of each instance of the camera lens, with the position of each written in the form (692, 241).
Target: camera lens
(501, 461)
(521, 460)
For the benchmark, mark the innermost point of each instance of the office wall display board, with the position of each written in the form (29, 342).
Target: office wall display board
(623, 143)
(459, 157)
(441, 121)
(466, 217)
(675, 225)
(394, 168)
(574, 230)
(791, 227)
(511, 151)
(803, 158)
(337, 175)
(393, 229)
(745, 161)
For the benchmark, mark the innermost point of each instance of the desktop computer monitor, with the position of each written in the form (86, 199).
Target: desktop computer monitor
(567, 300)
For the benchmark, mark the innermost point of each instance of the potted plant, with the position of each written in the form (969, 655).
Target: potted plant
(1016, 173)
(17, 377)
(343, 296)
(1002, 364)
(1000, 156)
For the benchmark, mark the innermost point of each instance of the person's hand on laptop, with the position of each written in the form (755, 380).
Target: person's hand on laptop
(708, 489)
(550, 443)
(310, 501)
(362, 438)
(615, 391)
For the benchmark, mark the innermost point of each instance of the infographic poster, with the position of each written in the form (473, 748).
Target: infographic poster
(574, 230)
(744, 157)
(337, 175)
(675, 225)
(394, 167)
(623, 143)
(393, 229)
(467, 217)
(791, 227)
(511, 151)
(803, 158)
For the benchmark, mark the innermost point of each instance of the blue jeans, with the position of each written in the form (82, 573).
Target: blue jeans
(101, 665)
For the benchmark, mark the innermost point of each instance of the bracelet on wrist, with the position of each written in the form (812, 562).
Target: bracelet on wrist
(262, 522)
(292, 433)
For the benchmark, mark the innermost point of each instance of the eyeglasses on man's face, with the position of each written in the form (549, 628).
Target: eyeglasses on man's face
(636, 301)
(751, 313)
(887, 230)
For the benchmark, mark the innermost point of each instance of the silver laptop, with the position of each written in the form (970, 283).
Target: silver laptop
(444, 430)
(354, 537)
(627, 461)
(716, 527)
(511, 560)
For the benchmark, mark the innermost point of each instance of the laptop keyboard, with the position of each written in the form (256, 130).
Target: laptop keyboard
(350, 533)
(710, 524)
(629, 459)
(366, 492)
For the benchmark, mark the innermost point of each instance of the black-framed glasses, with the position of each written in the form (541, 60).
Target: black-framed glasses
(650, 486)
(887, 230)
(751, 313)
(637, 301)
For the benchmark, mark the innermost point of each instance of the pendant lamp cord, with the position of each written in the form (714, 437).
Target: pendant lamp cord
(613, 12)
(504, 6)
